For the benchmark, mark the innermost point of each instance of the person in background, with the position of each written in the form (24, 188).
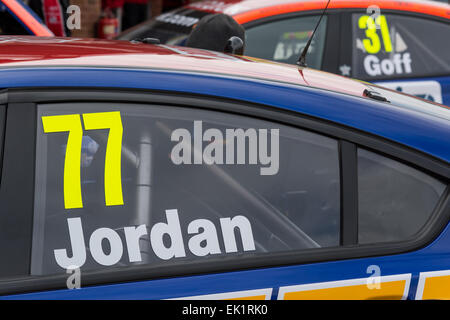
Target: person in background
(53, 13)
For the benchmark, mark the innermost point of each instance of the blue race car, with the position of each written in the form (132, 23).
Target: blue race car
(160, 172)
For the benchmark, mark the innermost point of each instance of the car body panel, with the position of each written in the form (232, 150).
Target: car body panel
(79, 52)
(249, 10)
(424, 127)
(434, 257)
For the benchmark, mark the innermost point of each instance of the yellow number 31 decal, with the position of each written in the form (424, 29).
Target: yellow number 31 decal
(372, 43)
(72, 177)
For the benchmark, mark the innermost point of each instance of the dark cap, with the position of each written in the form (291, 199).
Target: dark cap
(213, 31)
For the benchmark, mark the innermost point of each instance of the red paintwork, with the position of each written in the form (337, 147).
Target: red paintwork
(244, 11)
(43, 52)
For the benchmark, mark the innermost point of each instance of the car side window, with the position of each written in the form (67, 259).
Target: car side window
(284, 40)
(124, 184)
(396, 46)
(395, 200)
(9, 24)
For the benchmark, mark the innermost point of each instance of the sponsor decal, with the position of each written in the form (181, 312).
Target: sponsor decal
(382, 56)
(203, 240)
(433, 285)
(398, 64)
(72, 179)
(429, 89)
(177, 19)
(394, 287)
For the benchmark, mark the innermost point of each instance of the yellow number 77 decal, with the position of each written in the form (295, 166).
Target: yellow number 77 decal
(72, 177)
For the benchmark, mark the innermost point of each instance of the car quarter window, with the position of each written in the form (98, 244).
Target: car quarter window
(122, 184)
(396, 46)
(283, 40)
(395, 200)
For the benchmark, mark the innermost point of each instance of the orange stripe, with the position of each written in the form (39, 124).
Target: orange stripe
(437, 287)
(392, 290)
(35, 26)
(430, 9)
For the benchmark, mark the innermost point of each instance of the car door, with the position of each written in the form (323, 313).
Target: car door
(395, 49)
(169, 196)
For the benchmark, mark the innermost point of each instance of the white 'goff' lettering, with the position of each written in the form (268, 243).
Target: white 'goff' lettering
(399, 64)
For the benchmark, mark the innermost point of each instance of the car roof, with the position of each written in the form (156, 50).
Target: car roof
(30, 62)
(47, 52)
(245, 11)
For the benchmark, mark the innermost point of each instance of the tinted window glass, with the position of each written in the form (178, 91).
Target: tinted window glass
(192, 186)
(9, 24)
(395, 46)
(284, 40)
(395, 200)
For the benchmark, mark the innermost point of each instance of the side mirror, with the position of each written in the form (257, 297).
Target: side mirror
(234, 45)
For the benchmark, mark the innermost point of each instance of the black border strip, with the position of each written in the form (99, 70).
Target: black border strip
(349, 193)
(428, 233)
(331, 51)
(17, 189)
(2, 133)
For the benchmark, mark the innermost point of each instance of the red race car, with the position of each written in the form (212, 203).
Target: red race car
(398, 43)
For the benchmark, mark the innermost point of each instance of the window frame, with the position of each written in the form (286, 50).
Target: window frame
(346, 51)
(16, 199)
(348, 139)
